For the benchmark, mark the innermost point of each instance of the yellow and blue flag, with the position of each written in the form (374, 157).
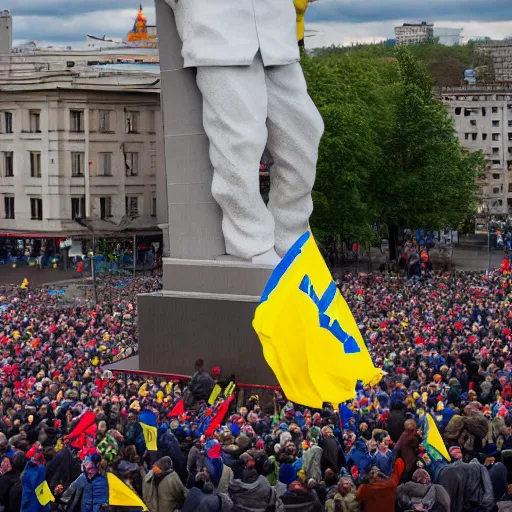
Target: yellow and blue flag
(147, 421)
(432, 440)
(120, 495)
(43, 493)
(310, 338)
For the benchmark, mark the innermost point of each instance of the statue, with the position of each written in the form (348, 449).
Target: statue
(254, 95)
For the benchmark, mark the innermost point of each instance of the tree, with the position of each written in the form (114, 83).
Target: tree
(389, 157)
(427, 180)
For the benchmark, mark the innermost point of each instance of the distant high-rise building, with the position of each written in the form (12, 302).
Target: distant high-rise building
(498, 56)
(483, 120)
(5, 32)
(449, 36)
(413, 33)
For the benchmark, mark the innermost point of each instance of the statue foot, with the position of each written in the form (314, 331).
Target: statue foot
(267, 258)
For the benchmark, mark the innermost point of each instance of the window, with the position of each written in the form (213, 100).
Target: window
(466, 136)
(78, 207)
(35, 121)
(8, 164)
(496, 137)
(76, 121)
(7, 122)
(132, 206)
(496, 162)
(77, 164)
(484, 136)
(105, 168)
(132, 119)
(495, 150)
(153, 207)
(497, 203)
(36, 208)
(458, 110)
(510, 124)
(35, 164)
(104, 121)
(496, 190)
(494, 110)
(472, 122)
(132, 164)
(474, 136)
(495, 124)
(484, 111)
(9, 207)
(105, 207)
(496, 176)
(152, 121)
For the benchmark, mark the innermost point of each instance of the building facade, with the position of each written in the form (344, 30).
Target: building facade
(483, 120)
(498, 56)
(411, 33)
(5, 32)
(448, 36)
(79, 146)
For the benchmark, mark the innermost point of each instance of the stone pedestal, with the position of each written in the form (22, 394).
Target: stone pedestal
(207, 304)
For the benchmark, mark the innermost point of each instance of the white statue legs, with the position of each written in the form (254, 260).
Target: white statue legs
(239, 102)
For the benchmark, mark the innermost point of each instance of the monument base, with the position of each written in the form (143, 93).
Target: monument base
(207, 315)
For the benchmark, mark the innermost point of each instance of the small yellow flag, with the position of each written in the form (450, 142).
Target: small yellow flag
(43, 493)
(229, 389)
(120, 495)
(434, 439)
(215, 393)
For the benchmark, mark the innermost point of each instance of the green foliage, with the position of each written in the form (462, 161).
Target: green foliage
(389, 156)
(446, 63)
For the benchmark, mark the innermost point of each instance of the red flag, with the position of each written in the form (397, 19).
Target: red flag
(219, 417)
(87, 420)
(178, 409)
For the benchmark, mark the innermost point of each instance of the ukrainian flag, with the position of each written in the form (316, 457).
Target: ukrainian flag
(43, 493)
(120, 495)
(147, 421)
(432, 440)
(309, 336)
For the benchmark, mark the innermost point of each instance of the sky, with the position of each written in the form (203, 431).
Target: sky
(338, 22)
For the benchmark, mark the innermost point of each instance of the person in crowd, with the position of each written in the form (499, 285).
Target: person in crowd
(345, 498)
(162, 488)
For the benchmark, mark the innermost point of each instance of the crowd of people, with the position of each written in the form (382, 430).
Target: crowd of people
(444, 344)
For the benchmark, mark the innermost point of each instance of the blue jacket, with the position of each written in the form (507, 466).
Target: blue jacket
(31, 478)
(92, 493)
(359, 456)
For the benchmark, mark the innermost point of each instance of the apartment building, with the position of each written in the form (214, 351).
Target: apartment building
(78, 146)
(483, 120)
(414, 33)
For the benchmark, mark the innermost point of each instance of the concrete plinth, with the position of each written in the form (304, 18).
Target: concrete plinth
(177, 328)
(207, 304)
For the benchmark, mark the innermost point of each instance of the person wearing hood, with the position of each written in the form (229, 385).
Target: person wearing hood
(204, 498)
(407, 448)
(422, 492)
(162, 490)
(90, 489)
(332, 455)
(299, 497)
(345, 498)
(220, 474)
(250, 491)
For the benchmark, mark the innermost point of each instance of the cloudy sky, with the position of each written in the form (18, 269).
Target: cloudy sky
(331, 21)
